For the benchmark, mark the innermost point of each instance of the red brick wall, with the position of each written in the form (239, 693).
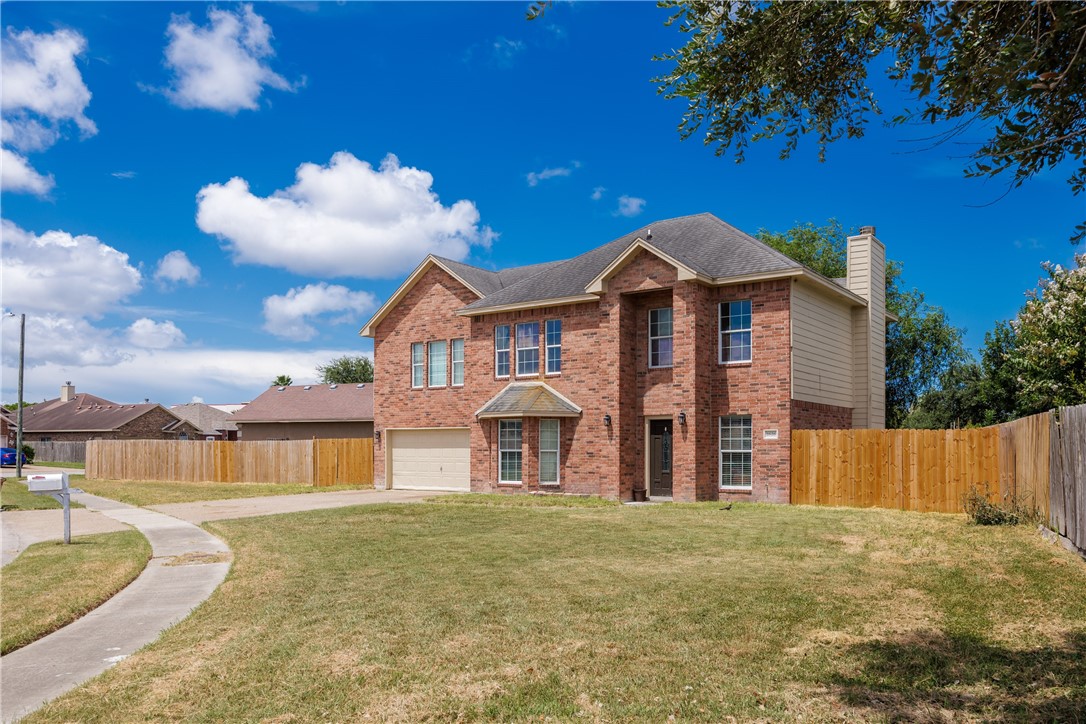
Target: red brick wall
(815, 416)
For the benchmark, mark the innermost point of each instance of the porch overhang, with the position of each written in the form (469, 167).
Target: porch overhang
(528, 399)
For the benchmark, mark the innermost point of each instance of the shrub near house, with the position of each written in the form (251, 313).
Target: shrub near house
(677, 359)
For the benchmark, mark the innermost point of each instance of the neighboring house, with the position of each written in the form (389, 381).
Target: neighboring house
(677, 358)
(304, 412)
(9, 426)
(81, 416)
(210, 420)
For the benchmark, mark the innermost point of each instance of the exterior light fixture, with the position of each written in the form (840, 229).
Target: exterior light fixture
(607, 420)
(682, 417)
(377, 436)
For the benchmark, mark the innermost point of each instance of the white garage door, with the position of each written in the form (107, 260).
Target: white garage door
(431, 459)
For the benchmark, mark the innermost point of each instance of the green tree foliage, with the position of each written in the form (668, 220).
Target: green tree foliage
(1050, 347)
(282, 381)
(346, 370)
(1012, 72)
(920, 347)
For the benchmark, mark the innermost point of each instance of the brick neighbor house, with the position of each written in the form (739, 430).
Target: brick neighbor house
(78, 417)
(676, 359)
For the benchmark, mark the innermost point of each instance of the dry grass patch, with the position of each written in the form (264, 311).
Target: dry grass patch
(144, 493)
(52, 584)
(485, 612)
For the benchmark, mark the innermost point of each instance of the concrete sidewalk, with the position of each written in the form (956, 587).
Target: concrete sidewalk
(275, 504)
(188, 564)
(20, 529)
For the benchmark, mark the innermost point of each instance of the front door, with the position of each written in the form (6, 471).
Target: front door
(660, 458)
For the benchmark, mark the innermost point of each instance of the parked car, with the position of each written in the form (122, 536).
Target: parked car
(7, 456)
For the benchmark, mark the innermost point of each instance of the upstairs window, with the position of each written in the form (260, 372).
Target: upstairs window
(735, 331)
(528, 349)
(457, 362)
(660, 340)
(501, 350)
(554, 346)
(417, 357)
(438, 364)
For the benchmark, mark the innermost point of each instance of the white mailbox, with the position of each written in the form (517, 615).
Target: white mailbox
(53, 483)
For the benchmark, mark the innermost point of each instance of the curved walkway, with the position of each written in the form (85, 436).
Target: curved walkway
(187, 565)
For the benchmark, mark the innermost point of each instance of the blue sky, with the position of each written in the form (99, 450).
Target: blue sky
(205, 196)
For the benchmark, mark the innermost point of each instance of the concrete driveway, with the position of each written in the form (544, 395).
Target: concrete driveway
(275, 504)
(9, 472)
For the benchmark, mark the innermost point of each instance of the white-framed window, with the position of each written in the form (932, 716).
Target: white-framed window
(509, 439)
(735, 452)
(458, 362)
(660, 339)
(527, 349)
(548, 452)
(418, 356)
(735, 331)
(439, 363)
(554, 346)
(501, 350)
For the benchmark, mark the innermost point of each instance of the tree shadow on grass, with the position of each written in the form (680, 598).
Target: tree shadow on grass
(930, 676)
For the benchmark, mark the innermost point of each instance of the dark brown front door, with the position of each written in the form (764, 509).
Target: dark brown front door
(660, 457)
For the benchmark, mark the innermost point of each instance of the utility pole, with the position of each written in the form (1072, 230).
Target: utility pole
(19, 429)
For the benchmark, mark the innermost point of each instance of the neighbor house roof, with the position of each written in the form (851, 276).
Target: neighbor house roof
(310, 403)
(529, 399)
(207, 419)
(83, 413)
(701, 247)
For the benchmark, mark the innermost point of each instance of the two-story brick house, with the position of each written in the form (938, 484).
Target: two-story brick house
(676, 359)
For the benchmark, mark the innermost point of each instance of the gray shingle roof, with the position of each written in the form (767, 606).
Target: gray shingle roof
(702, 242)
(310, 403)
(205, 418)
(528, 399)
(82, 414)
(487, 281)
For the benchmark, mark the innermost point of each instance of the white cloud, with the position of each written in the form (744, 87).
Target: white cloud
(41, 77)
(534, 177)
(61, 339)
(123, 174)
(220, 375)
(343, 219)
(17, 175)
(597, 193)
(155, 335)
(41, 91)
(505, 51)
(289, 315)
(629, 206)
(221, 66)
(58, 272)
(175, 268)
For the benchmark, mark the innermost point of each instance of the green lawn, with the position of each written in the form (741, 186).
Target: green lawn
(15, 496)
(51, 584)
(74, 466)
(158, 493)
(452, 610)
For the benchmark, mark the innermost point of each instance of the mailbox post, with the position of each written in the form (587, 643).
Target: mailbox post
(56, 487)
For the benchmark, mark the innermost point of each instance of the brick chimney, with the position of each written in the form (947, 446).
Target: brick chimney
(67, 392)
(867, 278)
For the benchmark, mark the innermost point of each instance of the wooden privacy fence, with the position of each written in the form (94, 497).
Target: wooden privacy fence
(1039, 461)
(58, 451)
(308, 462)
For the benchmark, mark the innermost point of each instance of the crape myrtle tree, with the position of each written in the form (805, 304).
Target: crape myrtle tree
(346, 370)
(921, 346)
(1011, 73)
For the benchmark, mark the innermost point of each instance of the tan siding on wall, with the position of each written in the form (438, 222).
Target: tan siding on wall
(821, 348)
(252, 431)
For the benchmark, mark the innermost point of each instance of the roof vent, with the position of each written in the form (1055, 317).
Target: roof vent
(333, 386)
(361, 385)
(280, 389)
(867, 230)
(648, 234)
(308, 387)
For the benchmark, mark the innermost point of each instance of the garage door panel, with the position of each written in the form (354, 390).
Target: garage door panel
(439, 458)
